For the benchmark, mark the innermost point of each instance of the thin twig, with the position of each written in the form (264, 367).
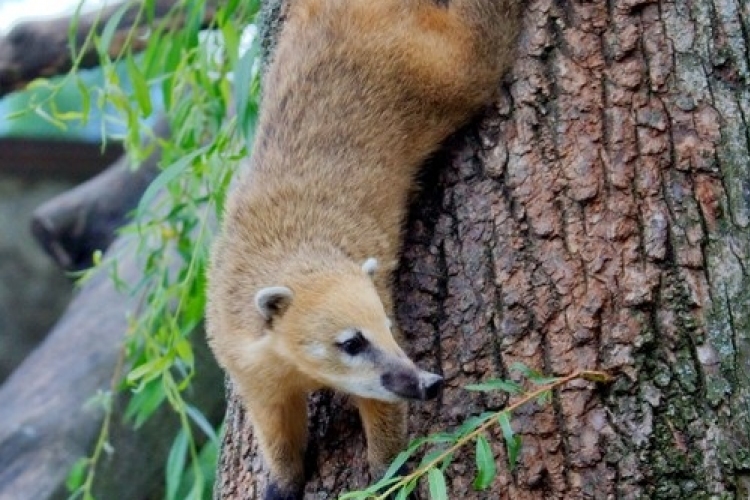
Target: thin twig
(590, 375)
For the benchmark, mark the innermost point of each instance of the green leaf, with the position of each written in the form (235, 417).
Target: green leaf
(244, 75)
(147, 371)
(543, 380)
(430, 457)
(101, 400)
(40, 83)
(85, 94)
(544, 398)
(185, 351)
(486, 468)
(231, 42)
(164, 178)
(436, 480)
(170, 63)
(50, 119)
(73, 32)
(405, 491)
(229, 7)
(496, 385)
(68, 116)
(512, 441)
(153, 57)
(397, 463)
(77, 474)
(355, 495)
(110, 27)
(17, 114)
(201, 421)
(524, 370)
(535, 376)
(473, 422)
(441, 438)
(140, 87)
(176, 464)
(416, 443)
(144, 403)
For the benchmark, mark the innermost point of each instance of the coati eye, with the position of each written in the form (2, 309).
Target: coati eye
(354, 344)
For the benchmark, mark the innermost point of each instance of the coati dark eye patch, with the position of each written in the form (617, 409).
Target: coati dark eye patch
(354, 345)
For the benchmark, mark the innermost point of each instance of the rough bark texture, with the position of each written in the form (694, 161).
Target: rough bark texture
(597, 217)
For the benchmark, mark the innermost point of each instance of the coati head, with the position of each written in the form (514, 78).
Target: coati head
(333, 329)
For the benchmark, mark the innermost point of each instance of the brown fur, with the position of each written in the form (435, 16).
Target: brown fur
(359, 94)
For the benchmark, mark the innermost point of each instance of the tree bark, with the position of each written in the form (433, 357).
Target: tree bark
(596, 217)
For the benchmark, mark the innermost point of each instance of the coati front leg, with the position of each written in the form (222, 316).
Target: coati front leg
(281, 428)
(385, 430)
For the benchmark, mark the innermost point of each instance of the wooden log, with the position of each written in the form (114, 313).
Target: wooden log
(46, 423)
(39, 158)
(71, 226)
(37, 49)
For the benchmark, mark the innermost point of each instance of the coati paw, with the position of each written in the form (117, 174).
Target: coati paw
(276, 492)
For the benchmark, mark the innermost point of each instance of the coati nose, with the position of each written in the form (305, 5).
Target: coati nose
(412, 384)
(431, 384)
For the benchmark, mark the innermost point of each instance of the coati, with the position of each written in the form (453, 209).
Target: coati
(358, 95)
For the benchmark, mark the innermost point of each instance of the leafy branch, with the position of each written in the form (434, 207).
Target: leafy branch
(205, 79)
(434, 464)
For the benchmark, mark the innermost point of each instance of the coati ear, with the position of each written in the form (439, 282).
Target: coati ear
(272, 301)
(370, 266)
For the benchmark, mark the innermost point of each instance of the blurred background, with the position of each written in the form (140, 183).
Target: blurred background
(38, 160)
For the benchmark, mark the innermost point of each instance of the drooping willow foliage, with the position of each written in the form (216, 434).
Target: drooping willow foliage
(202, 77)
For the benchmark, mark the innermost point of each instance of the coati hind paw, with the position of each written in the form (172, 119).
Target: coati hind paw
(275, 492)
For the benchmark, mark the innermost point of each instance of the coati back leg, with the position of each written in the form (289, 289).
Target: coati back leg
(460, 50)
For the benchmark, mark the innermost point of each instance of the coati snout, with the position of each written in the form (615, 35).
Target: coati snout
(412, 384)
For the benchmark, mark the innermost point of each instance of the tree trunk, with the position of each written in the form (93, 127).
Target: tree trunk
(595, 218)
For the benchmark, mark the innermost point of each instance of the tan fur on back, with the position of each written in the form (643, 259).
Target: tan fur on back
(335, 163)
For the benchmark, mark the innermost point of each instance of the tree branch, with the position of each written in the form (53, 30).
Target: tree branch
(37, 49)
(47, 420)
(71, 226)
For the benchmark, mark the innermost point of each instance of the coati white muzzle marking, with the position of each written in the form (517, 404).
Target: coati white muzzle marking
(382, 375)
